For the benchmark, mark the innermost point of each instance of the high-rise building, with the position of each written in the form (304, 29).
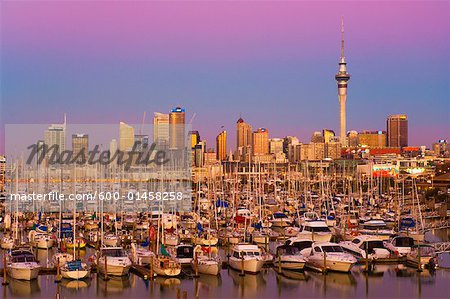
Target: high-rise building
(397, 130)
(199, 157)
(80, 147)
(261, 142)
(195, 138)
(55, 135)
(333, 150)
(342, 78)
(312, 151)
(141, 141)
(327, 135)
(177, 133)
(372, 138)
(221, 146)
(161, 129)
(317, 137)
(126, 137)
(2, 173)
(352, 138)
(289, 148)
(441, 148)
(244, 134)
(275, 145)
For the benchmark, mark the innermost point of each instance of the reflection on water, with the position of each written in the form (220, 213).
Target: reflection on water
(21, 288)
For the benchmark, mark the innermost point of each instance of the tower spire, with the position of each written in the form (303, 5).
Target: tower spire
(342, 40)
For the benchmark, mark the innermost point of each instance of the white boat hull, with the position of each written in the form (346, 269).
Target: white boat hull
(23, 273)
(250, 265)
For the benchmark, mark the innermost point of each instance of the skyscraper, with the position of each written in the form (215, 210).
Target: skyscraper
(55, 135)
(342, 77)
(372, 138)
(327, 135)
(195, 138)
(80, 147)
(397, 130)
(126, 137)
(261, 142)
(176, 128)
(244, 134)
(221, 146)
(161, 129)
(275, 145)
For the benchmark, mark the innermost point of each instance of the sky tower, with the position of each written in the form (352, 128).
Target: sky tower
(342, 77)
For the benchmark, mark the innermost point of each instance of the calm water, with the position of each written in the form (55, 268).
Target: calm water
(386, 281)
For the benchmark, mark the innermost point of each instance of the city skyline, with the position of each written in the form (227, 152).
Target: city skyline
(225, 68)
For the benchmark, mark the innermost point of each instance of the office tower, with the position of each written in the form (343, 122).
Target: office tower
(397, 130)
(317, 137)
(342, 78)
(244, 134)
(221, 146)
(441, 147)
(55, 135)
(275, 145)
(141, 141)
(126, 137)
(372, 138)
(261, 142)
(161, 129)
(195, 138)
(327, 135)
(352, 138)
(199, 157)
(2, 173)
(80, 147)
(289, 143)
(177, 128)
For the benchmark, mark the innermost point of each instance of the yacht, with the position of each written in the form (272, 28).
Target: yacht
(164, 265)
(357, 247)
(377, 228)
(21, 264)
(7, 243)
(401, 245)
(75, 270)
(117, 262)
(208, 261)
(316, 231)
(303, 245)
(141, 255)
(280, 220)
(333, 255)
(40, 240)
(246, 257)
(111, 240)
(289, 257)
(184, 253)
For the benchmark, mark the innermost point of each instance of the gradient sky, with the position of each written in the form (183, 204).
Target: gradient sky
(272, 62)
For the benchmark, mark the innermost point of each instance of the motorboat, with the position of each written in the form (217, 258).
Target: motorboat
(114, 261)
(289, 258)
(316, 230)
(375, 248)
(330, 256)
(184, 253)
(246, 257)
(21, 264)
(377, 228)
(141, 255)
(401, 245)
(111, 240)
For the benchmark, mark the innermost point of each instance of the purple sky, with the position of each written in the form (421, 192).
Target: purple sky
(274, 62)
